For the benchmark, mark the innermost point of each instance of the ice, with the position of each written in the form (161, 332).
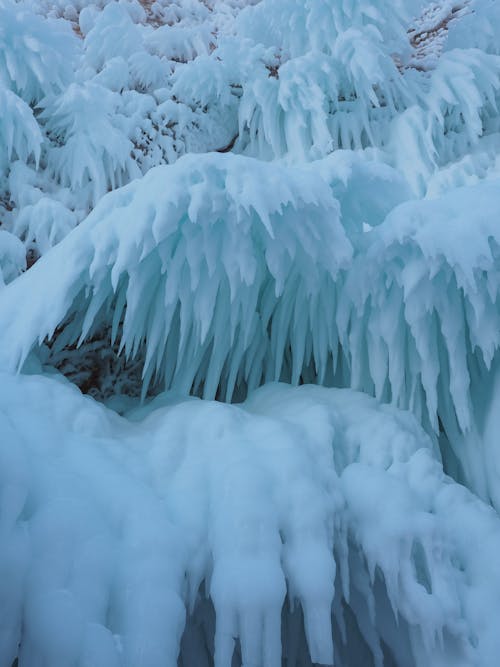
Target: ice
(95, 154)
(443, 290)
(102, 43)
(36, 56)
(124, 530)
(12, 257)
(232, 247)
(20, 136)
(200, 199)
(44, 224)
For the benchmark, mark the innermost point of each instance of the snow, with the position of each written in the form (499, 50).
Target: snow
(44, 224)
(20, 135)
(231, 246)
(96, 154)
(199, 200)
(12, 257)
(431, 268)
(36, 56)
(121, 534)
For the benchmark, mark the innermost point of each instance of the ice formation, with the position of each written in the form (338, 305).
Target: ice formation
(207, 199)
(431, 270)
(203, 529)
(228, 265)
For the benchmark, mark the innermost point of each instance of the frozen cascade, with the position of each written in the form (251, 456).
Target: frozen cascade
(201, 197)
(304, 524)
(219, 269)
(431, 269)
(167, 262)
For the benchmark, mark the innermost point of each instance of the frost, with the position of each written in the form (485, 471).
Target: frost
(477, 28)
(36, 56)
(44, 224)
(298, 27)
(94, 152)
(12, 257)
(178, 43)
(114, 34)
(20, 136)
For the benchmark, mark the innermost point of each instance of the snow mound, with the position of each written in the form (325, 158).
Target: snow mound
(202, 530)
(219, 269)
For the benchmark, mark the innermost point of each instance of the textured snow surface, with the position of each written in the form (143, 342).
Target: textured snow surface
(192, 524)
